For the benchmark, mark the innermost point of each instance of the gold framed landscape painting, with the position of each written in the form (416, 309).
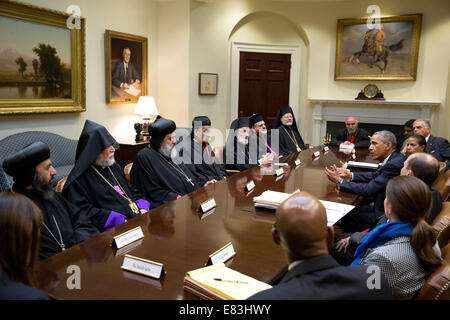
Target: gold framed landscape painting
(388, 51)
(42, 60)
(126, 67)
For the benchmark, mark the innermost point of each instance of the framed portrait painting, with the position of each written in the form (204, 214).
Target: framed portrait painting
(388, 51)
(126, 67)
(42, 60)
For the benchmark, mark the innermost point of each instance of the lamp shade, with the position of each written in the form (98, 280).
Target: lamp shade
(146, 107)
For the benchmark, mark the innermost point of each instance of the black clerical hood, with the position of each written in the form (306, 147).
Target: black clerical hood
(22, 165)
(281, 112)
(235, 125)
(94, 138)
(159, 129)
(255, 118)
(201, 121)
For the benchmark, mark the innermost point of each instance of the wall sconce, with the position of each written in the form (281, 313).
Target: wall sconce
(146, 107)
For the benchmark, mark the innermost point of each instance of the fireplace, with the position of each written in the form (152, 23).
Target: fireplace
(373, 115)
(334, 126)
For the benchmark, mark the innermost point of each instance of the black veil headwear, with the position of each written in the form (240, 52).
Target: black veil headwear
(159, 129)
(94, 139)
(22, 165)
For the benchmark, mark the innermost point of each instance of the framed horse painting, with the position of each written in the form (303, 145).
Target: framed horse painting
(384, 51)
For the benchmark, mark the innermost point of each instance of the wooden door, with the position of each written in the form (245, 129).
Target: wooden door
(263, 84)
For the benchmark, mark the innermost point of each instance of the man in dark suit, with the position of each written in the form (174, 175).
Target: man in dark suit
(301, 229)
(125, 74)
(436, 146)
(420, 165)
(351, 134)
(382, 148)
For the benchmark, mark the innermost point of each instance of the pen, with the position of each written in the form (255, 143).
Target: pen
(234, 281)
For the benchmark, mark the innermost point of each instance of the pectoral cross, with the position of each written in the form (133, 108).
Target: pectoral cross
(190, 180)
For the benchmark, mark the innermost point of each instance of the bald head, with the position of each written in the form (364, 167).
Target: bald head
(421, 165)
(302, 227)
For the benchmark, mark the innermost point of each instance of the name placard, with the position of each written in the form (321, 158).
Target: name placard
(325, 149)
(127, 237)
(142, 266)
(279, 172)
(297, 162)
(207, 205)
(250, 186)
(316, 154)
(223, 254)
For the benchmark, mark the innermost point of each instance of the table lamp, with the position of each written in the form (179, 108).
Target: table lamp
(146, 107)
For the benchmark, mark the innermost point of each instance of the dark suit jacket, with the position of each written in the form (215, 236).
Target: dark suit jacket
(118, 76)
(439, 148)
(376, 181)
(10, 290)
(322, 277)
(361, 138)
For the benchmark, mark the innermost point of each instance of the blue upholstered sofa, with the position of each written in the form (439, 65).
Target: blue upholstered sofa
(62, 152)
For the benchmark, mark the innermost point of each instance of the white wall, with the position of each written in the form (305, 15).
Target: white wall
(173, 61)
(186, 37)
(212, 23)
(133, 16)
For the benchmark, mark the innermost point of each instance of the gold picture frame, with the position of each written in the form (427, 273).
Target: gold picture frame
(36, 36)
(368, 54)
(125, 85)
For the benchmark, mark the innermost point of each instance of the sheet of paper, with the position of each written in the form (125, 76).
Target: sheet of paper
(335, 211)
(367, 165)
(133, 91)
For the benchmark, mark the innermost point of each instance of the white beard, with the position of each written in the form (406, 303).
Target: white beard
(262, 132)
(168, 151)
(287, 123)
(104, 162)
(242, 140)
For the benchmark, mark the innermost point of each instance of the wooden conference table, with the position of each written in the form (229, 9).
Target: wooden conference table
(181, 238)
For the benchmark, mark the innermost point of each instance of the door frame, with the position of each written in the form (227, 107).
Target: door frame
(294, 81)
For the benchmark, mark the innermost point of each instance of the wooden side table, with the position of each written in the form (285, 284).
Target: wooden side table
(128, 150)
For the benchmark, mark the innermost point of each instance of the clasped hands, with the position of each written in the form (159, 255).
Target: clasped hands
(267, 158)
(335, 173)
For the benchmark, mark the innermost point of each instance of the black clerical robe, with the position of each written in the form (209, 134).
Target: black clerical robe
(159, 179)
(262, 144)
(238, 156)
(74, 226)
(201, 161)
(288, 136)
(92, 193)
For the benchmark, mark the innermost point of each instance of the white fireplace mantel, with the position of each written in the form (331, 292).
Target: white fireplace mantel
(368, 111)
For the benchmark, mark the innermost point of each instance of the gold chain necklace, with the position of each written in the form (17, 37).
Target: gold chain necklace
(131, 203)
(292, 139)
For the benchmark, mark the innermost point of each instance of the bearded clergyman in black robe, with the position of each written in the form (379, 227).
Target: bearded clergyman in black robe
(98, 184)
(260, 137)
(196, 153)
(157, 171)
(290, 139)
(239, 154)
(64, 225)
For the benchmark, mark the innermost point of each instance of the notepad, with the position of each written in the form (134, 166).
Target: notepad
(363, 165)
(271, 199)
(237, 286)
